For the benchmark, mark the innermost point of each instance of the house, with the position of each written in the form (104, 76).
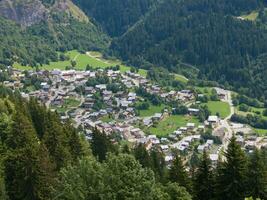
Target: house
(164, 147)
(213, 120)
(147, 121)
(214, 159)
(193, 111)
(240, 140)
(201, 148)
(101, 87)
(157, 116)
(89, 90)
(190, 126)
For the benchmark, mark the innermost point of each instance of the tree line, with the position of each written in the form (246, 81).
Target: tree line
(42, 158)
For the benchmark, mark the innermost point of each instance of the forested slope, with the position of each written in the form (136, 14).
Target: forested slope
(37, 41)
(205, 34)
(116, 16)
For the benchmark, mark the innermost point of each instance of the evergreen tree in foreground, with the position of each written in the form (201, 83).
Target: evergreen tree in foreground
(178, 173)
(257, 176)
(204, 182)
(232, 174)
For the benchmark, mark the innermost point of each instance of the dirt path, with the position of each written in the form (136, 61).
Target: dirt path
(97, 58)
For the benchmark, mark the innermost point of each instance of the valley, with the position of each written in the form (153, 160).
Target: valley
(133, 99)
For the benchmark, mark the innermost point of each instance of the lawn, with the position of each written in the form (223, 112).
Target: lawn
(205, 90)
(260, 132)
(106, 119)
(181, 78)
(68, 105)
(170, 124)
(220, 107)
(252, 16)
(94, 59)
(152, 110)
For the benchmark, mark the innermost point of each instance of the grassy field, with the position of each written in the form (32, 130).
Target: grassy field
(205, 90)
(260, 132)
(94, 59)
(181, 78)
(106, 119)
(170, 124)
(152, 110)
(251, 16)
(220, 107)
(67, 105)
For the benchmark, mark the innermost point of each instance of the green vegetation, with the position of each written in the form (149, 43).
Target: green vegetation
(67, 105)
(251, 16)
(93, 59)
(260, 132)
(182, 43)
(181, 78)
(106, 119)
(116, 16)
(152, 110)
(219, 107)
(170, 124)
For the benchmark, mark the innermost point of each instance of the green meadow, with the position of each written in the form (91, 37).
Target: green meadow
(220, 107)
(170, 124)
(94, 59)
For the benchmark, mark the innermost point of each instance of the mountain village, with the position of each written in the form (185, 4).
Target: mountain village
(110, 105)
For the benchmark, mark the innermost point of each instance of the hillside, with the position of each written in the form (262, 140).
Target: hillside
(116, 16)
(204, 34)
(42, 29)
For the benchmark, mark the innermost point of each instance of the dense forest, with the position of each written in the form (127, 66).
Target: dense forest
(203, 34)
(116, 16)
(42, 158)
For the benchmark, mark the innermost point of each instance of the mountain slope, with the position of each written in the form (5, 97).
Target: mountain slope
(116, 16)
(202, 33)
(44, 27)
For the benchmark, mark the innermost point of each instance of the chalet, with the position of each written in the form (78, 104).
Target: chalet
(214, 159)
(190, 126)
(101, 87)
(147, 121)
(201, 148)
(157, 116)
(89, 90)
(193, 111)
(213, 121)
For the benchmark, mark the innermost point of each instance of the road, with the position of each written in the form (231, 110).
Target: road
(225, 123)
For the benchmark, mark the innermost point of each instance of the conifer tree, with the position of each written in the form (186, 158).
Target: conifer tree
(20, 163)
(101, 145)
(56, 141)
(232, 173)
(178, 173)
(142, 155)
(158, 164)
(203, 181)
(257, 176)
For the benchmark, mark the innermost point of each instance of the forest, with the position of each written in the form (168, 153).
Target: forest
(39, 43)
(42, 159)
(201, 34)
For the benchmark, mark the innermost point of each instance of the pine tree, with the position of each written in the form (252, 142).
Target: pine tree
(158, 164)
(56, 141)
(101, 145)
(203, 181)
(178, 173)
(142, 155)
(46, 174)
(257, 176)
(20, 163)
(232, 174)
(75, 144)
